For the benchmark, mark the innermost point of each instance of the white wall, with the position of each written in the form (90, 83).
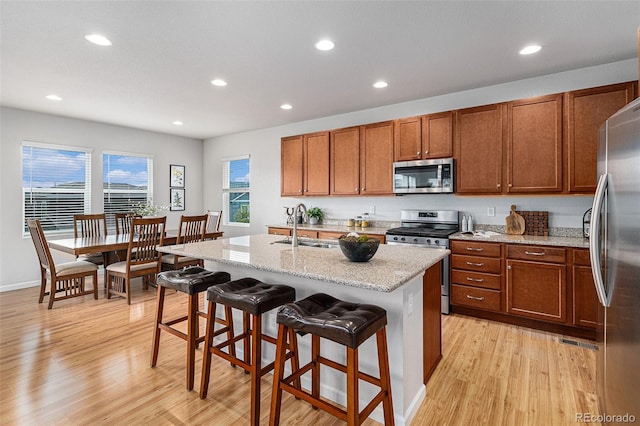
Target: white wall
(18, 261)
(264, 148)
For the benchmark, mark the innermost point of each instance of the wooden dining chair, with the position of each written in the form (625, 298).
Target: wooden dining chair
(67, 279)
(90, 225)
(123, 222)
(142, 258)
(191, 230)
(213, 221)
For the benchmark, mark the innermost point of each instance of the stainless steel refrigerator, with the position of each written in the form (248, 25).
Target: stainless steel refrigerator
(615, 263)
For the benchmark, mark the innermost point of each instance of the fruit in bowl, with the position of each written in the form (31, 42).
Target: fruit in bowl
(358, 248)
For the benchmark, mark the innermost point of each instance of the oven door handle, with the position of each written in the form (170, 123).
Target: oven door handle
(393, 243)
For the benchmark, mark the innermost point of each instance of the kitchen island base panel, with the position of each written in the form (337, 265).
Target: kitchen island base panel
(404, 308)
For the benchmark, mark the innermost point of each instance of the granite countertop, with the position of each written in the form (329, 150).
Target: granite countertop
(374, 230)
(524, 239)
(390, 268)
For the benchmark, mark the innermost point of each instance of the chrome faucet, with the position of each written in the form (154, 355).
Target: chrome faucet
(294, 241)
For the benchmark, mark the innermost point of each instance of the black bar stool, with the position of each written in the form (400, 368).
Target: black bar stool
(253, 298)
(192, 281)
(349, 324)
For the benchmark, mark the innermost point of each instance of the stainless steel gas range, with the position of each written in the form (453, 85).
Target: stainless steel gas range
(428, 229)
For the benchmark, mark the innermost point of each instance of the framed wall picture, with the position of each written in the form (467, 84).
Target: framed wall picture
(176, 176)
(176, 196)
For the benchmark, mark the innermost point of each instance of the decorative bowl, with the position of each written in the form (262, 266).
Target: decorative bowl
(358, 250)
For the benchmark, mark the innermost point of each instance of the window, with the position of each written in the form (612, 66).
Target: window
(236, 191)
(127, 181)
(56, 184)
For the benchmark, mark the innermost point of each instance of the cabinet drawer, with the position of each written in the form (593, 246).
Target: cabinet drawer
(581, 257)
(307, 234)
(280, 231)
(326, 235)
(536, 253)
(475, 248)
(475, 297)
(475, 263)
(475, 279)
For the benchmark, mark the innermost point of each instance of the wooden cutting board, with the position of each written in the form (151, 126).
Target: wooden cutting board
(515, 223)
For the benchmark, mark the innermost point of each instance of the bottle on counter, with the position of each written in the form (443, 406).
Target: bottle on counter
(365, 220)
(351, 222)
(465, 224)
(358, 221)
(470, 224)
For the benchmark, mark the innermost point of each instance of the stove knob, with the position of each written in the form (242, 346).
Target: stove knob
(428, 241)
(415, 240)
(395, 238)
(436, 242)
(402, 239)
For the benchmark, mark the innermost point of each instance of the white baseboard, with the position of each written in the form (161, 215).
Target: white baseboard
(19, 286)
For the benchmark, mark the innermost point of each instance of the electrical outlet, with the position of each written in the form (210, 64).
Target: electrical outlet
(491, 211)
(410, 304)
(372, 209)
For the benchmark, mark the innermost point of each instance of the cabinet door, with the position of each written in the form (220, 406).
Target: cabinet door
(376, 159)
(585, 299)
(537, 290)
(407, 139)
(345, 161)
(279, 231)
(291, 166)
(587, 110)
(316, 164)
(437, 135)
(478, 150)
(534, 145)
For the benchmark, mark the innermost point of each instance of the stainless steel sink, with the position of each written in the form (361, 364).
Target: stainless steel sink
(309, 243)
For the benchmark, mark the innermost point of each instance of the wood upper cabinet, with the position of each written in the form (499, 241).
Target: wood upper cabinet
(345, 161)
(437, 135)
(429, 136)
(305, 165)
(376, 159)
(291, 162)
(586, 111)
(478, 149)
(316, 163)
(534, 145)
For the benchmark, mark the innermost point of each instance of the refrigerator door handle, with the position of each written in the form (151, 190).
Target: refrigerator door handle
(594, 240)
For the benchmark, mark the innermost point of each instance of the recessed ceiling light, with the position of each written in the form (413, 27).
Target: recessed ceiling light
(325, 45)
(178, 123)
(286, 106)
(380, 84)
(532, 48)
(218, 82)
(98, 39)
(53, 97)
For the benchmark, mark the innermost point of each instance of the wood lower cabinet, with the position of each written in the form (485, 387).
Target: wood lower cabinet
(534, 145)
(537, 289)
(586, 111)
(476, 275)
(478, 149)
(279, 231)
(585, 298)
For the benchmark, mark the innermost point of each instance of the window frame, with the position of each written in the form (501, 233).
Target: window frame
(87, 192)
(227, 190)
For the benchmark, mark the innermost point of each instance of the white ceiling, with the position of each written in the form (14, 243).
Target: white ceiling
(165, 53)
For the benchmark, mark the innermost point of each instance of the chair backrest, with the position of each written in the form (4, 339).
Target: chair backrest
(213, 221)
(89, 225)
(123, 222)
(40, 243)
(191, 229)
(146, 234)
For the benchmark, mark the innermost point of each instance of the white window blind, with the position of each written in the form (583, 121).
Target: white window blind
(236, 190)
(127, 181)
(56, 184)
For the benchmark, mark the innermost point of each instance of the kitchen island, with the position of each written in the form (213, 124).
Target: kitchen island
(394, 279)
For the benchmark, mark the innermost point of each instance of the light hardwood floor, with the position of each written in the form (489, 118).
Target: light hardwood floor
(87, 362)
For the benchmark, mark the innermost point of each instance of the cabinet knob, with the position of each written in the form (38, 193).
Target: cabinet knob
(510, 185)
(364, 189)
(355, 189)
(299, 190)
(498, 186)
(509, 267)
(426, 152)
(418, 153)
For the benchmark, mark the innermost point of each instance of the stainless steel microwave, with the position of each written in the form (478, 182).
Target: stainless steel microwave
(423, 176)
